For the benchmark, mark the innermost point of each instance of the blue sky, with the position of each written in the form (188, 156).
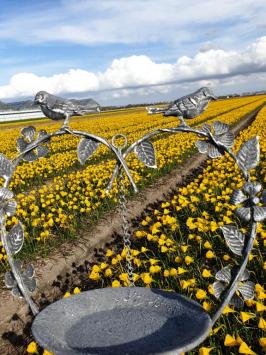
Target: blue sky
(128, 51)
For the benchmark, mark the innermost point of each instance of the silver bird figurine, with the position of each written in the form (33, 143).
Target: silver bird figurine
(57, 108)
(188, 106)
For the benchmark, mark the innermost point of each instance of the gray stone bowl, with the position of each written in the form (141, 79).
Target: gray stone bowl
(124, 320)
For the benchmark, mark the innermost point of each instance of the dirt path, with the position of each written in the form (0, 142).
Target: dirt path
(60, 262)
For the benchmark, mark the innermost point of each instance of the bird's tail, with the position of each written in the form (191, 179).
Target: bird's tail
(86, 111)
(155, 110)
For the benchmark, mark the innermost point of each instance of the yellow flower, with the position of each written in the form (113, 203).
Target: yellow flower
(210, 254)
(67, 294)
(146, 277)
(262, 342)
(173, 272)
(201, 294)
(230, 340)
(103, 266)
(166, 273)
(109, 252)
(32, 348)
(227, 310)
(76, 290)
(260, 307)
(207, 245)
(244, 349)
(116, 283)
(46, 352)
(206, 273)
(226, 257)
(205, 351)
(178, 259)
(181, 271)
(94, 275)
(262, 323)
(207, 306)
(188, 260)
(108, 272)
(245, 316)
(123, 277)
(184, 248)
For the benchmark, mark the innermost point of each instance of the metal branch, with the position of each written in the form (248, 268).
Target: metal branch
(148, 136)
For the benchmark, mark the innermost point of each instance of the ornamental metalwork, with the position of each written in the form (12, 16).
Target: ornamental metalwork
(214, 140)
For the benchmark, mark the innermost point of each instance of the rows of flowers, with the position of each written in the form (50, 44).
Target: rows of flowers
(57, 207)
(179, 245)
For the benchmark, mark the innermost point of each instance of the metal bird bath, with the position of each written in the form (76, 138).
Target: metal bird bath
(133, 320)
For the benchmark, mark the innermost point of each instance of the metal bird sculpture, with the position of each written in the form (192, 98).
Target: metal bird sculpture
(188, 106)
(57, 108)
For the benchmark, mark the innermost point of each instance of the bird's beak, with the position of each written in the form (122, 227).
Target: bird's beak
(36, 102)
(213, 97)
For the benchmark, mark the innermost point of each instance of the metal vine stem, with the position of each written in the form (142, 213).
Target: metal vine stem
(217, 140)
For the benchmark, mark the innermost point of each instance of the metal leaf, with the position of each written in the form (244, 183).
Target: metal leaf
(218, 288)
(245, 276)
(5, 194)
(237, 197)
(30, 156)
(249, 153)
(247, 290)
(213, 152)
(6, 167)
(206, 128)
(234, 239)
(10, 208)
(18, 265)
(202, 146)
(28, 133)
(259, 213)
(86, 148)
(15, 238)
(42, 133)
(220, 127)
(236, 302)
(227, 139)
(252, 188)
(16, 292)
(21, 144)
(30, 283)
(42, 151)
(9, 279)
(224, 274)
(243, 213)
(145, 153)
(29, 273)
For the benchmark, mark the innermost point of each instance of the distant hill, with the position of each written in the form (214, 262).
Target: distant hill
(29, 105)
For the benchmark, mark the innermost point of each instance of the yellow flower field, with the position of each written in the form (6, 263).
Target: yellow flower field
(179, 246)
(56, 191)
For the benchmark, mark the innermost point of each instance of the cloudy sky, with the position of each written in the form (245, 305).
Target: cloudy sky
(131, 51)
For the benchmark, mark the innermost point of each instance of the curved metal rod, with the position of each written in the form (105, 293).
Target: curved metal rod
(148, 136)
(117, 152)
(15, 162)
(34, 308)
(234, 282)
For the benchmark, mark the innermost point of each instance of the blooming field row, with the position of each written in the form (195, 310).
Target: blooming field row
(57, 207)
(179, 246)
(63, 157)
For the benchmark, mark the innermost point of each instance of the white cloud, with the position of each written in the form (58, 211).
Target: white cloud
(140, 71)
(118, 21)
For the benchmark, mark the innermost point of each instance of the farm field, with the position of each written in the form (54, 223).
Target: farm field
(56, 192)
(177, 245)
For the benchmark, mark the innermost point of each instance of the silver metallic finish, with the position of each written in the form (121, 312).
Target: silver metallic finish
(119, 321)
(57, 108)
(189, 106)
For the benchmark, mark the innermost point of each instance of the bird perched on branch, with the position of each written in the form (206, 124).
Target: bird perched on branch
(57, 108)
(188, 106)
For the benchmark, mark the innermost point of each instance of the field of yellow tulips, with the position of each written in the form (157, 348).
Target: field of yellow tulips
(56, 192)
(178, 246)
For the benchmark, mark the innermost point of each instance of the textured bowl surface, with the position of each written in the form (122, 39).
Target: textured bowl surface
(126, 320)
